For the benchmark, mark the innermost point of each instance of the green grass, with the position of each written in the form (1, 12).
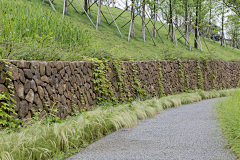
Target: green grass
(229, 117)
(59, 140)
(109, 39)
(108, 43)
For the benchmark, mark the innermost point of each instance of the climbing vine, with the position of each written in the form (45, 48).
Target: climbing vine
(199, 73)
(181, 75)
(238, 84)
(122, 85)
(7, 106)
(160, 82)
(103, 85)
(139, 92)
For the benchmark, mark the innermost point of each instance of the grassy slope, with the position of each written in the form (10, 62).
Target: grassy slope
(108, 40)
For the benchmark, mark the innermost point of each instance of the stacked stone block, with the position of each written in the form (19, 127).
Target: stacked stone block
(68, 86)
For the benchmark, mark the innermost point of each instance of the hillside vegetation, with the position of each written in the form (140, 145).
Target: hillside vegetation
(74, 38)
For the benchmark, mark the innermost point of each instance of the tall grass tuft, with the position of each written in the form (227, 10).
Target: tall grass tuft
(48, 141)
(23, 23)
(229, 117)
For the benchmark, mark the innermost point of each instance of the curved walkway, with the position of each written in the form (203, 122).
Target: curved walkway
(188, 132)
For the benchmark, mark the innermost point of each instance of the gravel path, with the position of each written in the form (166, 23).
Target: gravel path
(188, 132)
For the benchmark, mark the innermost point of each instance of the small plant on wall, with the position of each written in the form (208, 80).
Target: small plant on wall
(7, 105)
(103, 85)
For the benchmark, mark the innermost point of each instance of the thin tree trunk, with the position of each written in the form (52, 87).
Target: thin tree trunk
(89, 10)
(143, 20)
(171, 19)
(186, 21)
(132, 25)
(222, 40)
(154, 16)
(196, 30)
(99, 13)
(86, 5)
(66, 6)
(210, 22)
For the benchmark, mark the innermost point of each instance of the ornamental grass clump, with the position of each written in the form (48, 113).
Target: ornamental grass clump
(229, 117)
(58, 140)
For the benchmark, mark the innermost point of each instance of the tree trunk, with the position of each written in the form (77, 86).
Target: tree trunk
(222, 40)
(143, 20)
(210, 22)
(99, 12)
(171, 19)
(196, 25)
(89, 10)
(66, 6)
(154, 23)
(186, 19)
(132, 25)
(86, 5)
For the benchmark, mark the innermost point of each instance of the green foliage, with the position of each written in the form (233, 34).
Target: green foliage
(138, 91)
(228, 115)
(181, 75)
(8, 104)
(122, 85)
(30, 32)
(106, 42)
(58, 140)
(238, 84)
(103, 85)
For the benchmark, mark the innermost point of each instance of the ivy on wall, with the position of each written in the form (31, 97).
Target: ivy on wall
(8, 103)
(103, 85)
(181, 75)
(138, 91)
(199, 74)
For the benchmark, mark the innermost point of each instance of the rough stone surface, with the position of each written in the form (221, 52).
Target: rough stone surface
(42, 68)
(23, 109)
(69, 83)
(38, 102)
(21, 75)
(20, 90)
(28, 73)
(40, 92)
(45, 79)
(30, 96)
(14, 71)
(27, 86)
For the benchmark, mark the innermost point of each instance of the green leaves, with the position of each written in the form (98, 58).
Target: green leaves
(29, 32)
(7, 105)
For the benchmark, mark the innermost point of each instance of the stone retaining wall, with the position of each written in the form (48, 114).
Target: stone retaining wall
(69, 85)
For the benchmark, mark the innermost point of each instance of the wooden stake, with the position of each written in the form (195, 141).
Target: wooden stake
(114, 21)
(149, 32)
(52, 5)
(86, 14)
